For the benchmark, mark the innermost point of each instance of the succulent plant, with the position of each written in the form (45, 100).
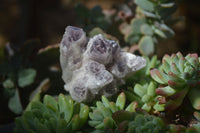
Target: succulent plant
(178, 77)
(94, 67)
(22, 70)
(15, 75)
(144, 90)
(148, 99)
(134, 122)
(172, 128)
(101, 115)
(196, 124)
(149, 23)
(143, 76)
(53, 116)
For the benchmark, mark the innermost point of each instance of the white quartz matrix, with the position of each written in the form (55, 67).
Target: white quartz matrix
(92, 67)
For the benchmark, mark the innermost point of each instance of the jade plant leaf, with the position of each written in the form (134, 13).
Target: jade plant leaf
(146, 45)
(132, 38)
(136, 25)
(146, 29)
(14, 103)
(145, 4)
(26, 77)
(151, 18)
(8, 84)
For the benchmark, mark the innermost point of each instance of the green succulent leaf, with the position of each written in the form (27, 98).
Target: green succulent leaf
(136, 25)
(178, 76)
(159, 107)
(147, 96)
(101, 115)
(146, 45)
(132, 38)
(65, 106)
(165, 91)
(146, 29)
(121, 100)
(105, 101)
(8, 84)
(122, 115)
(132, 106)
(109, 122)
(50, 117)
(51, 101)
(137, 122)
(145, 4)
(160, 33)
(26, 77)
(159, 76)
(75, 122)
(151, 89)
(147, 107)
(14, 103)
(83, 114)
(113, 107)
(194, 98)
(139, 90)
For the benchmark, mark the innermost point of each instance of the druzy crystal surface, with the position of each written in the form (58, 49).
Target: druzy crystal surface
(92, 67)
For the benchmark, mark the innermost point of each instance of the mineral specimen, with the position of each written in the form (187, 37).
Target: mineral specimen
(94, 66)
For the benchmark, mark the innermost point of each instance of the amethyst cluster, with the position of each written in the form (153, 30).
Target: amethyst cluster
(94, 66)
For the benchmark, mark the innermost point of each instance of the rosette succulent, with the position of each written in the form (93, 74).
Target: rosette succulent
(94, 66)
(148, 99)
(178, 77)
(137, 122)
(101, 115)
(53, 116)
(172, 128)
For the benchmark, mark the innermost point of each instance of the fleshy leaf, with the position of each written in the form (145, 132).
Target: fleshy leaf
(8, 84)
(146, 45)
(14, 103)
(50, 100)
(132, 106)
(194, 98)
(121, 100)
(66, 106)
(136, 25)
(122, 115)
(108, 122)
(145, 4)
(26, 77)
(159, 76)
(139, 90)
(83, 114)
(165, 91)
(146, 29)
